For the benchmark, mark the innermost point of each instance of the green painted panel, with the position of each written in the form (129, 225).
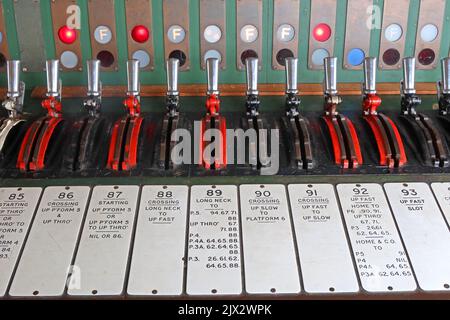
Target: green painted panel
(231, 74)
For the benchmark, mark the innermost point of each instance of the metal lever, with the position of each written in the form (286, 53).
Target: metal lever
(172, 96)
(330, 64)
(16, 89)
(134, 87)
(445, 83)
(370, 76)
(251, 66)
(444, 88)
(13, 73)
(93, 74)
(291, 76)
(212, 71)
(94, 93)
(173, 66)
(409, 74)
(53, 81)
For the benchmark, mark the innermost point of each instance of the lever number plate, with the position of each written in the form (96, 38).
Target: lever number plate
(157, 265)
(45, 262)
(442, 193)
(381, 260)
(268, 244)
(214, 251)
(102, 257)
(426, 235)
(325, 258)
(17, 206)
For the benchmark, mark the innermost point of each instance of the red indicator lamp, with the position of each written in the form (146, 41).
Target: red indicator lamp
(322, 32)
(140, 34)
(67, 35)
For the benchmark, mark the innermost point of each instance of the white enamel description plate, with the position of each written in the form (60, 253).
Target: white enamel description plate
(269, 252)
(214, 253)
(102, 256)
(424, 231)
(377, 248)
(46, 259)
(325, 257)
(157, 265)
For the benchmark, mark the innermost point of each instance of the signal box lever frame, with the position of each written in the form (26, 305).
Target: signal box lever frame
(13, 102)
(123, 149)
(345, 142)
(389, 141)
(171, 118)
(33, 151)
(298, 125)
(213, 120)
(436, 148)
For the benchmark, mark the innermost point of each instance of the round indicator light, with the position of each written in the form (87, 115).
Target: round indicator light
(282, 55)
(318, 56)
(176, 34)
(393, 32)
(426, 57)
(180, 55)
(285, 33)
(212, 34)
(143, 57)
(69, 59)
(106, 58)
(67, 35)
(356, 57)
(140, 34)
(391, 57)
(212, 54)
(429, 33)
(103, 34)
(249, 33)
(322, 32)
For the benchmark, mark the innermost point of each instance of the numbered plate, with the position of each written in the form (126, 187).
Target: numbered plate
(325, 257)
(46, 259)
(269, 252)
(214, 254)
(17, 206)
(381, 260)
(442, 193)
(424, 231)
(102, 257)
(157, 264)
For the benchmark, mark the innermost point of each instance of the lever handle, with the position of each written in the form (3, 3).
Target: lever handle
(251, 66)
(291, 75)
(370, 75)
(93, 74)
(13, 74)
(212, 71)
(446, 76)
(134, 87)
(330, 64)
(53, 82)
(173, 66)
(409, 74)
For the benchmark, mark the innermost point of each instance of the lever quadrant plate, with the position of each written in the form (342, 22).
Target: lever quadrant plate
(424, 231)
(214, 250)
(380, 258)
(268, 243)
(17, 207)
(102, 257)
(157, 264)
(325, 258)
(47, 256)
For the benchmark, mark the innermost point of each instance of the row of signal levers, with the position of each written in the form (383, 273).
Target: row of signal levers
(124, 138)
